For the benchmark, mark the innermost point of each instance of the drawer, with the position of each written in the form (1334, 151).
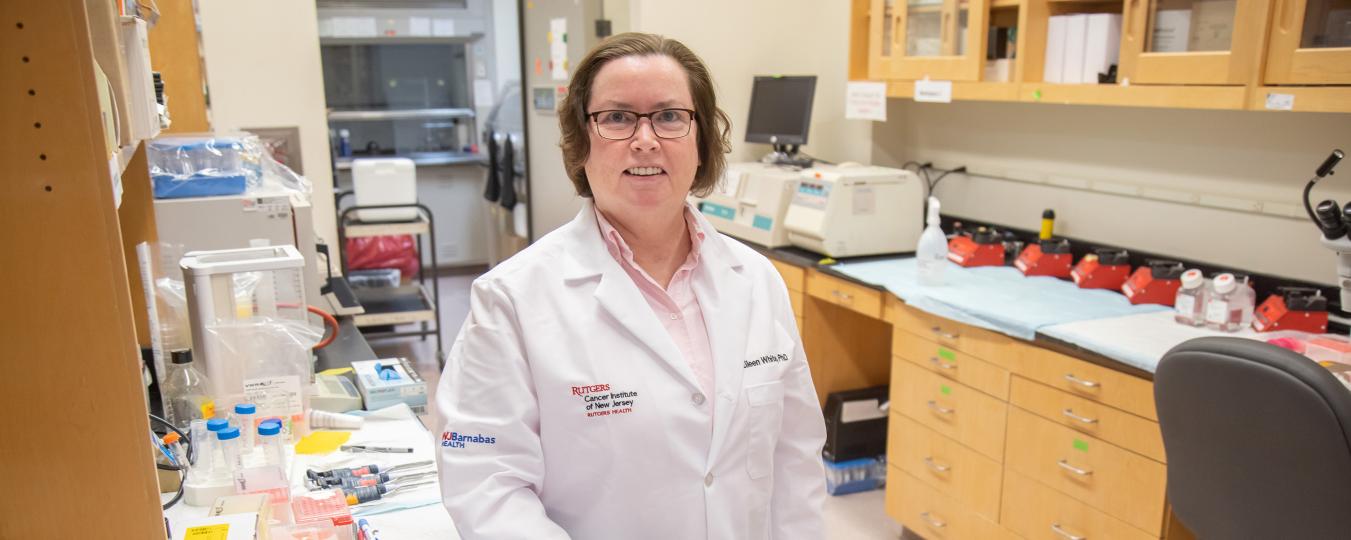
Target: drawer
(1122, 484)
(793, 276)
(933, 515)
(1114, 426)
(1036, 512)
(1090, 381)
(943, 464)
(988, 346)
(795, 298)
(950, 408)
(864, 300)
(951, 363)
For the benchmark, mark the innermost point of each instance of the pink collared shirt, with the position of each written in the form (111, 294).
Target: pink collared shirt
(676, 306)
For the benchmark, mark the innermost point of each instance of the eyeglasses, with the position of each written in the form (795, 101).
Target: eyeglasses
(619, 125)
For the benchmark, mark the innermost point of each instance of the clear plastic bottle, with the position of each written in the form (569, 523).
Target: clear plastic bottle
(269, 437)
(1191, 299)
(1223, 308)
(229, 442)
(1248, 296)
(185, 391)
(242, 417)
(931, 255)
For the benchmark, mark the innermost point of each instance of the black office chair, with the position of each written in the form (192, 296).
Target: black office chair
(1258, 440)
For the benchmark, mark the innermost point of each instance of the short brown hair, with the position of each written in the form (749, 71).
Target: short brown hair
(712, 122)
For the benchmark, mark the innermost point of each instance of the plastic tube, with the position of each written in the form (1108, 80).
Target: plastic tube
(269, 437)
(229, 442)
(243, 418)
(203, 448)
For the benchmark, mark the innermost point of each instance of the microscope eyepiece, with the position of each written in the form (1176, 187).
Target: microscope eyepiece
(1330, 163)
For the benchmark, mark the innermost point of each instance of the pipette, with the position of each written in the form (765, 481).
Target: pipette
(365, 494)
(363, 471)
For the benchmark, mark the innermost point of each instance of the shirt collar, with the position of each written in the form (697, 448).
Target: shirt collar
(619, 249)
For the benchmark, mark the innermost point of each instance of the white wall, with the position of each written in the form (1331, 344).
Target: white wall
(1252, 156)
(263, 70)
(739, 40)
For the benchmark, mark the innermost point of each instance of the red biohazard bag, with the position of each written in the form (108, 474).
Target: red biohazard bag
(384, 252)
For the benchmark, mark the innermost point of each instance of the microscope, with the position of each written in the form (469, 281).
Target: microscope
(1334, 221)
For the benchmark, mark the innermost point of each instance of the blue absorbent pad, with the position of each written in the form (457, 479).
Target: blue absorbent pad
(998, 298)
(168, 186)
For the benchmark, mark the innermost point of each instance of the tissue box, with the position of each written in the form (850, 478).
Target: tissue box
(388, 382)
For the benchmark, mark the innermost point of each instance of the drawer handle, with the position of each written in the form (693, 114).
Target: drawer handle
(1082, 382)
(842, 296)
(929, 461)
(935, 407)
(941, 364)
(933, 522)
(1070, 413)
(940, 333)
(1055, 528)
(1071, 468)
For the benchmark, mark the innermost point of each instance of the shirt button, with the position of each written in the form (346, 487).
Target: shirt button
(675, 316)
(697, 398)
(708, 479)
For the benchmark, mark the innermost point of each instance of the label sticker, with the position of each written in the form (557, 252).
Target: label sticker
(208, 532)
(1081, 445)
(717, 210)
(947, 354)
(865, 100)
(1280, 102)
(945, 389)
(762, 222)
(933, 91)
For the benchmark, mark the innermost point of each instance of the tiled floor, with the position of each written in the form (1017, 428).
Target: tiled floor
(851, 517)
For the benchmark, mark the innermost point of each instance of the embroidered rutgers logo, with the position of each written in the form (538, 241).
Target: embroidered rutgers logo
(601, 400)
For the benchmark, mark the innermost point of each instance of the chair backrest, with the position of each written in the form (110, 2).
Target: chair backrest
(1257, 441)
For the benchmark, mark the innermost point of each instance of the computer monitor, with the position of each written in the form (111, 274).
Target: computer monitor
(781, 110)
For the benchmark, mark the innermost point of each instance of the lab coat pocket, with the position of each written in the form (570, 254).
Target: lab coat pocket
(766, 416)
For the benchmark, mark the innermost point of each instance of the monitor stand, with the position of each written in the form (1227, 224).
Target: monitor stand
(787, 155)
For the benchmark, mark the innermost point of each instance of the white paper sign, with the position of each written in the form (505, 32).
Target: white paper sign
(443, 27)
(866, 100)
(1280, 102)
(419, 26)
(558, 49)
(483, 93)
(933, 91)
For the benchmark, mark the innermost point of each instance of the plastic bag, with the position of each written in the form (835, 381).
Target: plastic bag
(210, 164)
(375, 252)
(270, 362)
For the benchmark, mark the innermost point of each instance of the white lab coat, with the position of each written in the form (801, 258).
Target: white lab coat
(560, 327)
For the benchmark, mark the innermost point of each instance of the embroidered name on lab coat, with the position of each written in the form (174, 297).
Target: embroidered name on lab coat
(764, 360)
(600, 400)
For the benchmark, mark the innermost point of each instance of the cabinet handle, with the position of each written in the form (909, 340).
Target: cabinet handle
(842, 296)
(935, 407)
(1064, 464)
(939, 468)
(1081, 382)
(1055, 528)
(940, 333)
(941, 364)
(1283, 8)
(933, 522)
(1070, 414)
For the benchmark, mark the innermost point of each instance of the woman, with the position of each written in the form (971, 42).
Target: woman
(633, 374)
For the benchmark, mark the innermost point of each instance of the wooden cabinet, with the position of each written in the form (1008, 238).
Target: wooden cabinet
(918, 39)
(946, 465)
(1194, 54)
(1183, 42)
(933, 515)
(1109, 424)
(858, 298)
(1036, 512)
(1087, 380)
(951, 363)
(1310, 43)
(952, 409)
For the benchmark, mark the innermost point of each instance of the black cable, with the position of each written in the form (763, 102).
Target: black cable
(182, 469)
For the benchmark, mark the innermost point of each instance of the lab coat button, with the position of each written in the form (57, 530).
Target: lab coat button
(708, 479)
(697, 398)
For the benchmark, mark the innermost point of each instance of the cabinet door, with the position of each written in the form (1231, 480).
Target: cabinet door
(1310, 42)
(1192, 41)
(938, 39)
(883, 21)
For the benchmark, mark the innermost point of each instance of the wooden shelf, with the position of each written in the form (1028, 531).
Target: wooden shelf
(961, 91)
(1307, 98)
(395, 305)
(1176, 97)
(1005, 3)
(361, 229)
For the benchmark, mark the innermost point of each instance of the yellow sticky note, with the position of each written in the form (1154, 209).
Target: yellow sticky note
(208, 532)
(335, 371)
(322, 442)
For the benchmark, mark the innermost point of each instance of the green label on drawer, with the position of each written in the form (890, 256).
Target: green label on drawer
(1081, 445)
(945, 389)
(947, 354)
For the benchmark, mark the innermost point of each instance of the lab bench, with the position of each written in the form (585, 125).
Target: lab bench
(990, 436)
